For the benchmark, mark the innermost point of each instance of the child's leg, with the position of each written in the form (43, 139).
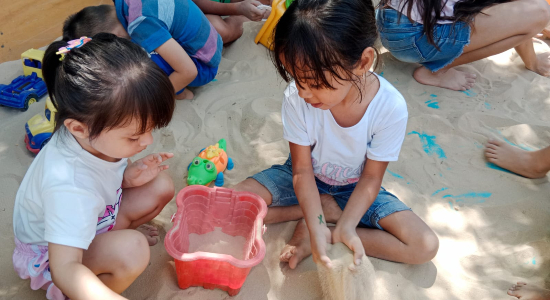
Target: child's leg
(274, 214)
(528, 292)
(531, 164)
(405, 238)
(230, 28)
(117, 257)
(140, 205)
(495, 30)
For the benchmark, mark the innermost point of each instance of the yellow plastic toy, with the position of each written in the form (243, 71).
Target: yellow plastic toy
(265, 36)
(32, 62)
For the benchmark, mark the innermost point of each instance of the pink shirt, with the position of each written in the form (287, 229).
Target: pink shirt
(447, 11)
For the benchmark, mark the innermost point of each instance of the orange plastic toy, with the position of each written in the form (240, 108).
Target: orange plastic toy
(201, 210)
(265, 36)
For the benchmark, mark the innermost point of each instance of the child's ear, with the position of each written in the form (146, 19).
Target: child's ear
(76, 128)
(367, 60)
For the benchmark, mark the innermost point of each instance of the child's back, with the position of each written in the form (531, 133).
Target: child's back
(150, 23)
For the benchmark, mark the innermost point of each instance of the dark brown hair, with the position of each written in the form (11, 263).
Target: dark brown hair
(107, 83)
(317, 37)
(89, 21)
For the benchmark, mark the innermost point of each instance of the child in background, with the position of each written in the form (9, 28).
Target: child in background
(81, 199)
(344, 125)
(443, 34)
(179, 36)
(231, 28)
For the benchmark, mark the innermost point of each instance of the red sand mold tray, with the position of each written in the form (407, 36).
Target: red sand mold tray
(200, 210)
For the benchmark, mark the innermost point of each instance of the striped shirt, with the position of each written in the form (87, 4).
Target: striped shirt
(150, 23)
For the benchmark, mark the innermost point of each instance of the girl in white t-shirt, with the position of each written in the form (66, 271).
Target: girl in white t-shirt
(344, 125)
(443, 34)
(81, 199)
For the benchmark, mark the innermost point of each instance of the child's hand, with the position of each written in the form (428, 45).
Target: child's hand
(144, 170)
(349, 237)
(319, 242)
(248, 9)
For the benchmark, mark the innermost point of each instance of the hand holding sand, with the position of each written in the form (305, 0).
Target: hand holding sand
(346, 280)
(319, 241)
(349, 237)
(146, 169)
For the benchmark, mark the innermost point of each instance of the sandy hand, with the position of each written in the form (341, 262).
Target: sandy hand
(249, 9)
(146, 169)
(349, 237)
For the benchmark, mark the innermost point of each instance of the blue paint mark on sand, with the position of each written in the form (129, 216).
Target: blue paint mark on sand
(214, 80)
(487, 105)
(470, 198)
(469, 93)
(451, 205)
(433, 95)
(493, 166)
(534, 261)
(381, 74)
(395, 174)
(429, 144)
(440, 190)
(478, 145)
(519, 146)
(432, 104)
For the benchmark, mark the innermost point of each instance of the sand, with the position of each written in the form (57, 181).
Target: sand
(498, 235)
(344, 280)
(217, 242)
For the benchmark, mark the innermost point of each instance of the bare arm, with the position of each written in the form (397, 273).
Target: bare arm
(359, 202)
(310, 201)
(185, 70)
(247, 8)
(364, 194)
(73, 278)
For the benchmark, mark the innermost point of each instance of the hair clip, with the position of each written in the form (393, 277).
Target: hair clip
(72, 45)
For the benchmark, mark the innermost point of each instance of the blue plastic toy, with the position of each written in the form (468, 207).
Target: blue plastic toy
(22, 91)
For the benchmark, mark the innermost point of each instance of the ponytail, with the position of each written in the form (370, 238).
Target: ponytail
(51, 66)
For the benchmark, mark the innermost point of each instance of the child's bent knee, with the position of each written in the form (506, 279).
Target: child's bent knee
(426, 248)
(134, 258)
(164, 186)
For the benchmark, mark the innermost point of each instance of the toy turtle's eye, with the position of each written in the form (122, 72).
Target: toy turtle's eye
(209, 166)
(196, 162)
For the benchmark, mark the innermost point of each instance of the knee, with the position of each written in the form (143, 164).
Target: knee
(425, 248)
(538, 12)
(253, 186)
(164, 188)
(134, 258)
(231, 32)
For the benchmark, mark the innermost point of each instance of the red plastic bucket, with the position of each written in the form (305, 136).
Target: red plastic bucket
(201, 210)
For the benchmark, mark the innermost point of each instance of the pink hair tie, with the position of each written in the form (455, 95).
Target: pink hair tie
(72, 45)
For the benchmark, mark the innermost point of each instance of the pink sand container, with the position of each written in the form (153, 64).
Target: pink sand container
(200, 210)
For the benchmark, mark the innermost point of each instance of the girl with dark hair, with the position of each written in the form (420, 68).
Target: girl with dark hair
(81, 199)
(344, 124)
(443, 34)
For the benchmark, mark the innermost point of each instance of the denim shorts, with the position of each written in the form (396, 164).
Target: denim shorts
(407, 42)
(205, 73)
(278, 180)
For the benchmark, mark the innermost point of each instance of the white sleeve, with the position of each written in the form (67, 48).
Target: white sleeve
(294, 125)
(70, 217)
(387, 140)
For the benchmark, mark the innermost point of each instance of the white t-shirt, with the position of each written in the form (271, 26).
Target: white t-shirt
(448, 10)
(67, 195)
(339, 153)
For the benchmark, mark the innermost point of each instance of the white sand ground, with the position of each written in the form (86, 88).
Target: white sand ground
(493, 225)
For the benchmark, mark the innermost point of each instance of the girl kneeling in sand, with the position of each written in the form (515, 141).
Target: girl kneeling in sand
(344, 124)
(443, 34)
(81, 199)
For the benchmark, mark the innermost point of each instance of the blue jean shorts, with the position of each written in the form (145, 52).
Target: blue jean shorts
(205, 73)
(278, 180)
(407, 42)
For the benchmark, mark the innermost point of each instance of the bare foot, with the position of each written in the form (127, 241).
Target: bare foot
(185, 95)
(519, 161)
(528, 292)
(150, 232)
(299, 246)
(542, 67)
(447, 78)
